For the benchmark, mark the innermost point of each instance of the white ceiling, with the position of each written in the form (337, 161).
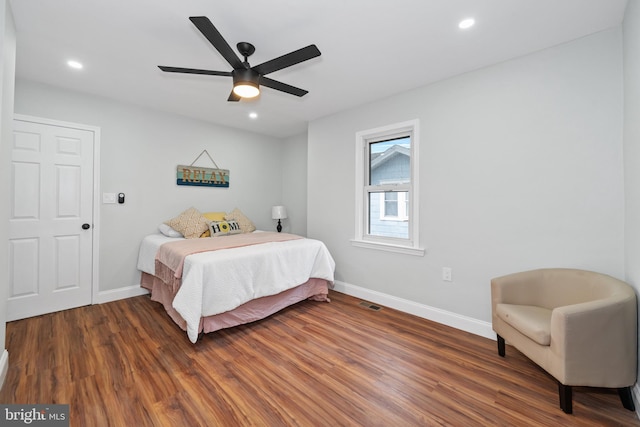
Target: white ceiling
(370, 48)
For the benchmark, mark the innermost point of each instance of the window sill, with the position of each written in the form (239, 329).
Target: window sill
(388, 247)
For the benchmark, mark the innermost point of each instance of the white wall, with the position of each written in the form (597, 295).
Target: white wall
(140, 150)
(7, 77)
(521, 167)
(294, 184)
(632, 145)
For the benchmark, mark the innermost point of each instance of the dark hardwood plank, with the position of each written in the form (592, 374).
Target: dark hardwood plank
(126, 363)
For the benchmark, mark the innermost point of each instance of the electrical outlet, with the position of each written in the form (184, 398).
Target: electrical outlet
(447, 274)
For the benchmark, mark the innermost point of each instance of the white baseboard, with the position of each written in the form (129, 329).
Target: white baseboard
(120, 293)
(4, 366)
(467, 324)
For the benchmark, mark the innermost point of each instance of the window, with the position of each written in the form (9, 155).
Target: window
(394, 207)
(386, 185)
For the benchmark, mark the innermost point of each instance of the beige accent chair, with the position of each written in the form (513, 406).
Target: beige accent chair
(579, 326)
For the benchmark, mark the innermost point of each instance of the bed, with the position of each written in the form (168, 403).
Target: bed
(214, 283)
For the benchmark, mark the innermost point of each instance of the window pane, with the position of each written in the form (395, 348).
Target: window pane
(386, 224)
(389, 161)
(390, 203)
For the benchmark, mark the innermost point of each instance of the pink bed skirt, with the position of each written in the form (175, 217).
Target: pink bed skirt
(313, 289)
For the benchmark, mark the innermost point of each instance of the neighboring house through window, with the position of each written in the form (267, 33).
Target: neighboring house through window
(386, 181)
(389, 173)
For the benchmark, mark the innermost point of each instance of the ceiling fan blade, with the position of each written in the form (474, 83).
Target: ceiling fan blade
(288, 60)
(283, 87)
(194, 71)
(215, 38)
(233, 97)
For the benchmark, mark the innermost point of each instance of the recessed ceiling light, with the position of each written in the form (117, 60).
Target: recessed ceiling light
(466, 23)
(253, 115)
(74, 64)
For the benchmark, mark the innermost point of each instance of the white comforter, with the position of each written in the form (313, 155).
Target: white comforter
(148, 250)
(219, 281)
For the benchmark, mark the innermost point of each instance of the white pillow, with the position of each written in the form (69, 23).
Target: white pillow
(168, 231)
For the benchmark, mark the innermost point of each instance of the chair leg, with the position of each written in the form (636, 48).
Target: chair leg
(501, 346)
(565, 392)
(565, 398)
(626, 398)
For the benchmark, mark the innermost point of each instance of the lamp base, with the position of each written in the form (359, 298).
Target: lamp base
(279, 227)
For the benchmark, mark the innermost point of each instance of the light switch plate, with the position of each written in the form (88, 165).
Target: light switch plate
(108, 198)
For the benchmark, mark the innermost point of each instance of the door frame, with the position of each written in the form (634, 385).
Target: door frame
(95, 250)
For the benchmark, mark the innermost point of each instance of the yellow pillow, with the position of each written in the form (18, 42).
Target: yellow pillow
(214, 216)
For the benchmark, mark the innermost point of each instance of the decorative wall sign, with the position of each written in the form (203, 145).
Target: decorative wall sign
(202, 177)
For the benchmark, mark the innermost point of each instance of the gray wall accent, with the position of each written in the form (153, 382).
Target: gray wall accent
(520, 168)
(631, 31)
(294, 184)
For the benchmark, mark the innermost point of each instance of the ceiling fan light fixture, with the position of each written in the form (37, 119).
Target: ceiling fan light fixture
(245, 83)
(246, 90)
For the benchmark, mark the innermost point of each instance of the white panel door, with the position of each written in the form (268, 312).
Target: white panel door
(50, 227)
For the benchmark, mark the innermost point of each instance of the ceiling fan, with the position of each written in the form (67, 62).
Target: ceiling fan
(247, 79)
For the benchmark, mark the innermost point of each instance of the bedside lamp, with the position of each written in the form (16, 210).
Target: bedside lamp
(278, 212)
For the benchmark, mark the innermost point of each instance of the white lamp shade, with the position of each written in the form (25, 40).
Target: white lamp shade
(278, 212)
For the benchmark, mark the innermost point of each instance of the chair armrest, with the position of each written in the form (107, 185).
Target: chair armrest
(584, 337)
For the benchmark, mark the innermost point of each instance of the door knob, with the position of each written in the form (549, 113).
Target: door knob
(86, 226)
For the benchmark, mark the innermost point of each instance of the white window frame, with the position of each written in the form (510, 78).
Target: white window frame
(411, 245)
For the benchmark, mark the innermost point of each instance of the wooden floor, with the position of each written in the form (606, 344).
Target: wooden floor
(314, 364)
